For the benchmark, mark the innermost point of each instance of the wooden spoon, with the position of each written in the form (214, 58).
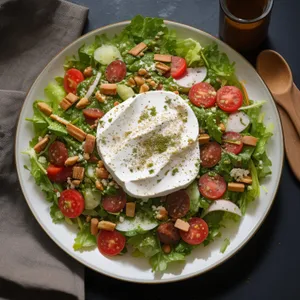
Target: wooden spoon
(277, 75)
(291, 138)
(291, 142)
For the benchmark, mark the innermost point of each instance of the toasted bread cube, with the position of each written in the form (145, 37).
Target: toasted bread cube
(236, 187)
(139, 80)
(59, 119)
(76, 182)
(222, 127)
(203, 138)
(162, 67)
(249, 140)
(102, 173)
(163, 57)
(106, 225)
(76, 132)
(41, 145)
(108, 88)
(135, 51)
(44, 108)
(83, 102)
(72, 98)
(89, 144)
(182, 225)
(65, 104)
(130, 209)
(144, 88)
(247, 180)
(78, 172)
(70, 161)
(94, 226)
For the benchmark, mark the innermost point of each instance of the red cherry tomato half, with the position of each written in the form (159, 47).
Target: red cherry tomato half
(115, 71)
(212, 187)
(229, 98)
(232, 142)
(59, 174)
(210, 154)
(58, 153)
(202, 94)
(178, 67)
(71, 80)
(71, 203)
(114, 203)
(197, 233)
(111, 242)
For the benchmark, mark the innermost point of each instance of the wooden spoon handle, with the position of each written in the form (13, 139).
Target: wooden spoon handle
(291, 142)
(290, 103)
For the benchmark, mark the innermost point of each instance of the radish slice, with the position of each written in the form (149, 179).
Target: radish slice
(140, 221)
(192, 76)
(223, 205)
(93, 86)
(237, 122)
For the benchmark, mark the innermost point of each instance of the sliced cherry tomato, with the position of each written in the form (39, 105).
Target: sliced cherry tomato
(178, 67)
(114, 203)
(212, 187)
(58, 153)
(92, 114)
(71, 203)
(210, 154)
(59, 174)
(111, 242)
(197, 233)
(115, 71)
(178, 204)
(71, 80)
(202, 94)
(229, 98)
(232, 142)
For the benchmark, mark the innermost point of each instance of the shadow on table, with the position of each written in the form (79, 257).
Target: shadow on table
(219, 281)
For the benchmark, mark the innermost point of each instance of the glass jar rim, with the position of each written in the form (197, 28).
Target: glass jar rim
(245, 21)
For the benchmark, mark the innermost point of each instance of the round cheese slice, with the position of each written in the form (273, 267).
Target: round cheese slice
(149, 144)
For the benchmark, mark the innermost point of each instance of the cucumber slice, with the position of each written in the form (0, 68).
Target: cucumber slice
(193, 192)
(140, 221)
(92, 199)
(124, 91)
(106, 54)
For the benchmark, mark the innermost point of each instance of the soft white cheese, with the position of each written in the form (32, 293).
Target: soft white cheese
(149, 144)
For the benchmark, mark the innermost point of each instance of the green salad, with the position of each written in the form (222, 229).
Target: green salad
(84, 192)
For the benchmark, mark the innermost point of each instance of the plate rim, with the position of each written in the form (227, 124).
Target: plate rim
(178, 277)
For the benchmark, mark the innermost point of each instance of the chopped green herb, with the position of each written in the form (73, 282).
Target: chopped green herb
(174, 171)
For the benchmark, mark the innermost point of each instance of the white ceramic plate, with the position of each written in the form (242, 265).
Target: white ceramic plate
(137, 269)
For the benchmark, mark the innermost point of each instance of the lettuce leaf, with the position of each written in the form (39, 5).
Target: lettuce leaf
(160, 261)
(146, 244)
(56, 214)
(84, 238)
(252, 192)
(220, 71)
(39, 173)
(190, 50)
(55, 93)
(145, 28)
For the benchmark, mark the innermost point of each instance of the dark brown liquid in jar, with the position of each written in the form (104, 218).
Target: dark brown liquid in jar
(244, 33)
(247, 9)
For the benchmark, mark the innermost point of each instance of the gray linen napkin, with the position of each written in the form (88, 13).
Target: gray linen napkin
(31, 265)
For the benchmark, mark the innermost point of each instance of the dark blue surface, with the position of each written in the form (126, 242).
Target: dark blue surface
(268, 266)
